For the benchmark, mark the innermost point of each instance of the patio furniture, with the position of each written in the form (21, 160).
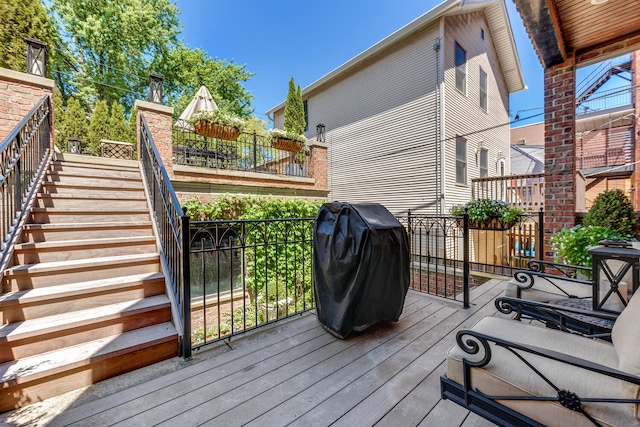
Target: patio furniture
(513, 373)
(116, 149)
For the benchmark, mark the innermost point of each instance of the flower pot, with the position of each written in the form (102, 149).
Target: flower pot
(216, 130)
(287, 144)
(494, 223)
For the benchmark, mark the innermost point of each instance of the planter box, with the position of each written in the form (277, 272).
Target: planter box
(216, 130)
(287, 144)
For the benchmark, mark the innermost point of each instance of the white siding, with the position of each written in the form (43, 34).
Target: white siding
(380, 127)
(462, 113)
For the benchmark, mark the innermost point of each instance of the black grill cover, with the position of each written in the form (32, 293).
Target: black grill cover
(361, 264)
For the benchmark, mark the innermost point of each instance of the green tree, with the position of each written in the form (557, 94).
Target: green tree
(58, 125)
(132, 131)
(118, 130)
(75, 122)
(186, 69)
(113, 43)
(20, 19)
(98, 126)
(294, 110)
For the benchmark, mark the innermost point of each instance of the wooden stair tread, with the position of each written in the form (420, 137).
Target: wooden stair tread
(79, 210)
(78, 288)
(65, 244)
(91, 225)
(81, 263)
(46, 364)
(92, 197)
(69, 320)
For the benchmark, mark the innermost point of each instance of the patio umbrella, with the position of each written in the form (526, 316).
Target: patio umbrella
(202, 101)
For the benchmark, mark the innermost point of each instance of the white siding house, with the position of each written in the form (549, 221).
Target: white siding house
(393, 115)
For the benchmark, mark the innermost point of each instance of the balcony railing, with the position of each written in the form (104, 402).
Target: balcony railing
(526, 191)
(250, 153)
(605, 100)
(24, 156)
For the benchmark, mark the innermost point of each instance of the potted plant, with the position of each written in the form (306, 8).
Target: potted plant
(217, 124)
(292, 137)
(487, 214)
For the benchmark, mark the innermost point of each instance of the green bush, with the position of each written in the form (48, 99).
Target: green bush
(571, 244)
(612, 209)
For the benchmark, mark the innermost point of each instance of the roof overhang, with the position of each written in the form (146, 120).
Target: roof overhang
(560, 29)
(499, 26)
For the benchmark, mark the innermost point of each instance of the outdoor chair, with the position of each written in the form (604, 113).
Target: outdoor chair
(563, 290)
(513, 373)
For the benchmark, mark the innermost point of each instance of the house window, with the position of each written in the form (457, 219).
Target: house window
(483, 89)
(484, 163)
(461, 68)
(461, 161)
(306, 115)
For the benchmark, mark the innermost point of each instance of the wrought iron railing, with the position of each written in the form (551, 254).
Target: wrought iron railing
(24, 156)
(247, 273)
(172, 224)
(250, 152)
(525, 191)
(445, 250)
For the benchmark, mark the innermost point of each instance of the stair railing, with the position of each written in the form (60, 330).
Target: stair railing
(172, 224)
(24, 157)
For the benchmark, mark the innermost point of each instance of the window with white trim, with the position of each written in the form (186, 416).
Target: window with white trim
(461, 161)
(484, 163)
(483, 89)
(461, 68)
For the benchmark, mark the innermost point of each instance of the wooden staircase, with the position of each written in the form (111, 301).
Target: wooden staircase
(85, 298)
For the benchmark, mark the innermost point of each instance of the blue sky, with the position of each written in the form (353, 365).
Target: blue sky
(284, 38)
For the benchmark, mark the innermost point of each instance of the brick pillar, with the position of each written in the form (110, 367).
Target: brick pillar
(19, 93)
(559, 149)
(635, 81)
(159, 120)
(319, 165)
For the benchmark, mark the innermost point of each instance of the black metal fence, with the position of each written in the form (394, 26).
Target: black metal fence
(445, 251)
(173, 228)
(247, 273)
(250, 152)
(24, 156)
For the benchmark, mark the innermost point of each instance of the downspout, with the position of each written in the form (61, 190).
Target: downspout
(436, 48)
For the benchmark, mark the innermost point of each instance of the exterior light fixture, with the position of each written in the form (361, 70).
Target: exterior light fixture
(320, 133)
(36, 57)
(155, 88)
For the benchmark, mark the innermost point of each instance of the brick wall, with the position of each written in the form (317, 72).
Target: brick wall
(560, 160)
(19, 93)
(442, 284)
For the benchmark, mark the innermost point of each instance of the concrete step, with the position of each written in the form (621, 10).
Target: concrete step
(89, 214)
(55, 232)
(33, 276)
(51, 300)
(47, 333)
(66, 250)
(39, 377)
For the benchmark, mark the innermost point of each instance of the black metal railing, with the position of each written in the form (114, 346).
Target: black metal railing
(445, 250)
(248, 273)
(172, 224)
(250, 152)
(24, 156)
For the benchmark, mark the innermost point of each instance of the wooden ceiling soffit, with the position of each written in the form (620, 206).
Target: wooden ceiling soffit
(541, 22)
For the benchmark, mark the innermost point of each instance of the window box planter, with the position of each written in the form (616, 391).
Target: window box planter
(216, 130)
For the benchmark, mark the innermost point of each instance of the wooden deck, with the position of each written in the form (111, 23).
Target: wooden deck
(292, 373)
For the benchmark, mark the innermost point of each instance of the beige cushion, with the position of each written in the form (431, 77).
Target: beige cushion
(507, 375)
(626, 337)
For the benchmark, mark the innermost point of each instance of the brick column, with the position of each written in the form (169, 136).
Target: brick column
(159, 120)
(19, 93)
(635, 81)
(559, 149)
(319, 166)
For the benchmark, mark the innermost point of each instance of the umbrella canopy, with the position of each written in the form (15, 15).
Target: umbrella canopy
(202, 101)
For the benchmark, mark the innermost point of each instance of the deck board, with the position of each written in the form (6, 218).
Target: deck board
(295, 373)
